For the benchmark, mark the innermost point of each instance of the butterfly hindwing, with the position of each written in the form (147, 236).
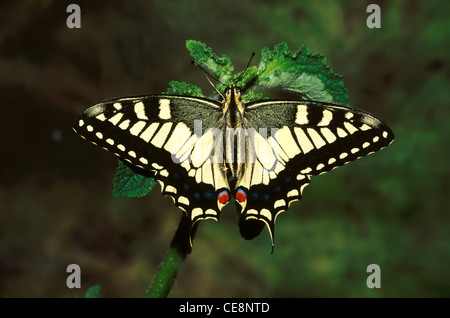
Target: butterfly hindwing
(156, 135)
(265, 202)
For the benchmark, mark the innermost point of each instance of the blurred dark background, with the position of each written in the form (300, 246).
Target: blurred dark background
(56, 203)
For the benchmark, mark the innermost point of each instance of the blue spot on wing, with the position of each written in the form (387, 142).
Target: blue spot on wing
(223, 192)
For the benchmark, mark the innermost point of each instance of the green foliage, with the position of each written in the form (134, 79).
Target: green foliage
(182, 88)
(301, 72)
(130, 184)
(93, 292)
(252, 96)
(242, 79)
(202, 55)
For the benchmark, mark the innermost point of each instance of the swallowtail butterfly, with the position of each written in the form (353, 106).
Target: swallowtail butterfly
(204, 152)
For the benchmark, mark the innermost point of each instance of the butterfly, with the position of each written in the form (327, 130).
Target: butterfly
(204, 152)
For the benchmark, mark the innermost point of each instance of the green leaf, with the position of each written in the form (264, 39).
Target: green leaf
(181, 88)
(251, 96)
(127, 183)
(301, 72)
(220, 67)
(241, 79)
(93, 292)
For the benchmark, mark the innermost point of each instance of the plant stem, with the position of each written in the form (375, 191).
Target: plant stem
(179, 249)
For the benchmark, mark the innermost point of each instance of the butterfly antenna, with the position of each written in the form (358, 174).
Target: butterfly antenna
(209, 76)
(248, 64)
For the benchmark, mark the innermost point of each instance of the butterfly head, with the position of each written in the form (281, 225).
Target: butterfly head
(233, 107)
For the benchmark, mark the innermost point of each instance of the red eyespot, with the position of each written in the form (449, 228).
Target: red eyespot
(241, 196)
(223, 197)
